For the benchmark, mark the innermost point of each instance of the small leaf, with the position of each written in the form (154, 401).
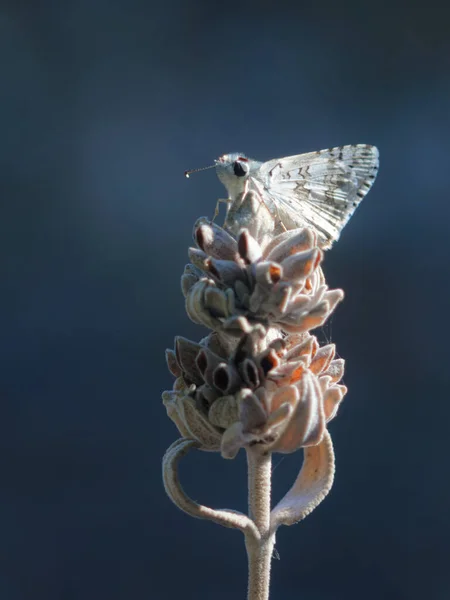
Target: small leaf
(311, 486)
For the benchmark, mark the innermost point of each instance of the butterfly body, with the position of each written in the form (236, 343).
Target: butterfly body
(319, 190)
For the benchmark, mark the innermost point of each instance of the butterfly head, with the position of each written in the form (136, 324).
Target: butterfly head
(233, 171)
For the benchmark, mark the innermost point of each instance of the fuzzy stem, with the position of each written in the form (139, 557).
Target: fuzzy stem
(259, 550)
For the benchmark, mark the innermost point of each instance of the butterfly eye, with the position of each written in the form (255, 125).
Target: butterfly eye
(240, 169)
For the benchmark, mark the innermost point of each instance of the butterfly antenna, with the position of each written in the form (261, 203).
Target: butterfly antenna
(187, 173)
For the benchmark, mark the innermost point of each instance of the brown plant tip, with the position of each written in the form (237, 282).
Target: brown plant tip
(278, 398)
(234, 285)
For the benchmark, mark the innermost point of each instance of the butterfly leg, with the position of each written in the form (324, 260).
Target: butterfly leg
(272, 209)
(226, 201)
(277, 219)
(279, 223)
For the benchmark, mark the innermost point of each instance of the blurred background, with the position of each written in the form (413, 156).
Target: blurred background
(103, 105)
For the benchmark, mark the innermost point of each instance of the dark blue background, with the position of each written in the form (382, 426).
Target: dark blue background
(103, 105)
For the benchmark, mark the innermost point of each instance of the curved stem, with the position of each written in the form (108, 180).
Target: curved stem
(259, 550)
(172, 485)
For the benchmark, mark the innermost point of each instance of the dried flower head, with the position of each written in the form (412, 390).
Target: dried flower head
(234, 285)
(260, 378)
(279, 398)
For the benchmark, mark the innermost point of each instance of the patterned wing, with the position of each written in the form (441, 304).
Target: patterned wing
(320, 189)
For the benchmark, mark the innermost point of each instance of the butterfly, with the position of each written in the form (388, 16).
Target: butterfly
(319, 190)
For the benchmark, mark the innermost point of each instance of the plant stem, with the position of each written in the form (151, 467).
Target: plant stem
(259, 551)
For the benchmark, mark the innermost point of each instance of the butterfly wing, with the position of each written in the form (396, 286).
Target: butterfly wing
(320, 190)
